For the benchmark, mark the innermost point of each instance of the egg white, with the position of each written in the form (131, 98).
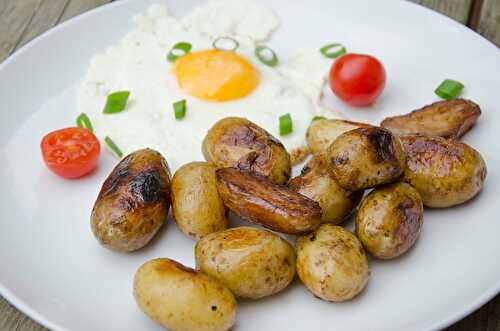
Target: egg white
(138, 64)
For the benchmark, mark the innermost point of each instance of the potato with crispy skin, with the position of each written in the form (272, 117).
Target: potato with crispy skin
(389, 220)
(252, 263)
(256, 199)
(323, 132)
(237, 142)
(332, 263)
(447, 119)
(196, 205)
(317, 182)
(366, 157)
(183, 299)
(445, 172)
(133, 202)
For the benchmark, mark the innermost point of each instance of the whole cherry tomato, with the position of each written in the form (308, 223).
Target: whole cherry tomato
(357, 79)
(70, 152)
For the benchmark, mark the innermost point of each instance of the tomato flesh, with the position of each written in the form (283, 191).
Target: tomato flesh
(70, 152)
(357, 79)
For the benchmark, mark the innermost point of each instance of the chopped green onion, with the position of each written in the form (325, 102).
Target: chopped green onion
(333, 51)
(449, 89)
(111, 144)
(316, 118)
(219, 44)
(180, 109)
(178, 50)
(83, 121)
(286, 125)
(270, 59)
(116, 102)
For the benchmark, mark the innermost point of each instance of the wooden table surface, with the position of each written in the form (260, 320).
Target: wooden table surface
(23, 20)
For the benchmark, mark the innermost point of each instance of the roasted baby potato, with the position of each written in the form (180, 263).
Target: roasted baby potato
(366, 157)
(389, 220)
(237, 142)
(256, 199)
(133, 202)
(322, 133)
(197, 207)
(182, 299)
(332, 263)
(252, 263)
(445, 172)
(317, 183)
(447, 119)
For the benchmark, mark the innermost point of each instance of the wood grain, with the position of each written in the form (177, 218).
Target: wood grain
(46, 16)
(22, 20)
(76, 7)
(489, 21)
(11, 319)
(15, 17)
(456, 9)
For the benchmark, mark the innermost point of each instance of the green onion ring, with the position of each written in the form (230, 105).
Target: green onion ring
(111, 144)
(259, 52)
(179, 109)
(286, 124)
(182, 46)
(236, 44)
(449, 89)
(325, 50)
(116, 102)
(83, 121)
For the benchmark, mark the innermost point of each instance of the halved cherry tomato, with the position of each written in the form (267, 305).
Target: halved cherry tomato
(357, 79)
(70, 152)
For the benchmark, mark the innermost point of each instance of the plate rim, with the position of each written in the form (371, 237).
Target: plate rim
(46, 322)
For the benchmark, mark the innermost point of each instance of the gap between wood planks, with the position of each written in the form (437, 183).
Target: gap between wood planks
(475, 14)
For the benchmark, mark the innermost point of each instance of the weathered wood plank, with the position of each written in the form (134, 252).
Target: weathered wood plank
(47, 15)
(76, 7)
(456, 9)
(489, 21)
(11, 319)
(15, 16)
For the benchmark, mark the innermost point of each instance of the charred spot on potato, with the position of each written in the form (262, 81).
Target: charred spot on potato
(117, 177)
(382, 141)
(214, 308)
(341, 159)
(146, 186)
(241, 136)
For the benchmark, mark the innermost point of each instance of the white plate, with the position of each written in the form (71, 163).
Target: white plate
(53, 269)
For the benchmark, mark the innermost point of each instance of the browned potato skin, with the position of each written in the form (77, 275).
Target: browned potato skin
(196, 205)
(252, 263)
(237, 142)
(332, 263)
(366, 157)
(445, 172)
(316, 182)
(323, 132)
(133, 202)
(258, 200)
(447, 119)
(182, 299)
(389, 220)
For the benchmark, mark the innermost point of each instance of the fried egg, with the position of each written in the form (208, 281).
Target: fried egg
(215, 83)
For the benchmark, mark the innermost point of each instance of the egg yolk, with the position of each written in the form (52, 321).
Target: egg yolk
(216, 75)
